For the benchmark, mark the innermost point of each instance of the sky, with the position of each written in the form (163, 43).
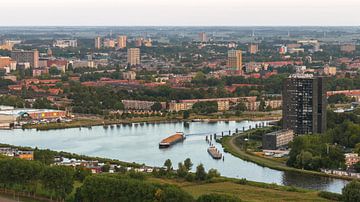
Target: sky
(180, 12)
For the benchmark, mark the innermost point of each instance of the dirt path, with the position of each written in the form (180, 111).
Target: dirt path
(4, 199)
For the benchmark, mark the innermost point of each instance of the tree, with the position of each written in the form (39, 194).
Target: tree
(45, 156)
(188, 164)
(156, 106)
(186, 114)
(200, 173)
(357, 148)
(168, 165)
(42, 103)
(112, 188)
(119, 105)
(81, 173)
(105, 168)
(351, 192)
(59, 180)
(240, 107)
(213, 173)
(357, 167)
(205, 107)
(262, 106)
(54, 71)
(181, 171)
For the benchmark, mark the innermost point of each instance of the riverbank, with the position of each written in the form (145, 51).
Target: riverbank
(89, 121)
(229, 145)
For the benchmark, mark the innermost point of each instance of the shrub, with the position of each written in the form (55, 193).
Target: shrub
(351, 192)
(330, 196)
(217, 198)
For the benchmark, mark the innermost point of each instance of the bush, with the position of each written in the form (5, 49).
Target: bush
(190, 177)
(81, 173)
(106, 188)
(136, 175)
(213, 173)
(217, 198)
(242, 181)
(351, 192)
(330, 196)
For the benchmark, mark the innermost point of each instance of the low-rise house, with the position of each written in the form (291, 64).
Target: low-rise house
(277, 139)
(140, 105)
(351, 159)
(16, 153)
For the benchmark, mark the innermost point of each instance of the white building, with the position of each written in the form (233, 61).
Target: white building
(65, 43)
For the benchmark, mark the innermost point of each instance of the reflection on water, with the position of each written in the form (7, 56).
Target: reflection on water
(139, 143)
(313, 182)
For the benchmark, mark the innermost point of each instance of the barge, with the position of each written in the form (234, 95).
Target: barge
(171, 140)
(214, 153)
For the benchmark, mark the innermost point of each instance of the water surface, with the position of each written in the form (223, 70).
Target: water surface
(139, 143)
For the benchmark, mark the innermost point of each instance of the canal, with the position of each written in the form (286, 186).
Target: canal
(139, 143)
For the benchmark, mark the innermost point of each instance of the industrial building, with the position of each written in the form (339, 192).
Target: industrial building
(10, 117)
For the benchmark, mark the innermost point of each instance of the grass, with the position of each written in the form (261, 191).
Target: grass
(243, 191)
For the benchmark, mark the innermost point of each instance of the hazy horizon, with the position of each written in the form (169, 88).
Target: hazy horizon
(180, 13)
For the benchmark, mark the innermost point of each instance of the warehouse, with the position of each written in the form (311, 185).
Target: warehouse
(9, 116)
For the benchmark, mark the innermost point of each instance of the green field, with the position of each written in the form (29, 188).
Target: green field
(244, 192)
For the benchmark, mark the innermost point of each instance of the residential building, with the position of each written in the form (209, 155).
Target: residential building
(133, 56)
(121, 42)
(138, 42)
(109, 43)
(304, 104)
(295, 50)
(223, 103)
(14, 152)
(130, 75)
(83, 63)
(350, 93)
(179, 106)
(148, 43)
(7, 62)
(330, 71)
(203, 37)
(65, 43)
(351, 159)
(234, 60)
(97, 42)
(347, 48)
(282, 50)
(277, 139)
(140, 105)
(6, 45)
(26, 56)
(253, 48)
(252, 105)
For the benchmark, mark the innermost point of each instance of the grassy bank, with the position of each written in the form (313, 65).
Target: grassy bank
(245, 190)
(230, 146)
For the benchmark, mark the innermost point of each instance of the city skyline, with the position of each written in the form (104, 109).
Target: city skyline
(180, 13)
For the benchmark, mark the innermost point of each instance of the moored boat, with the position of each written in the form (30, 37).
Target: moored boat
(171, 140)
(214, 153)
